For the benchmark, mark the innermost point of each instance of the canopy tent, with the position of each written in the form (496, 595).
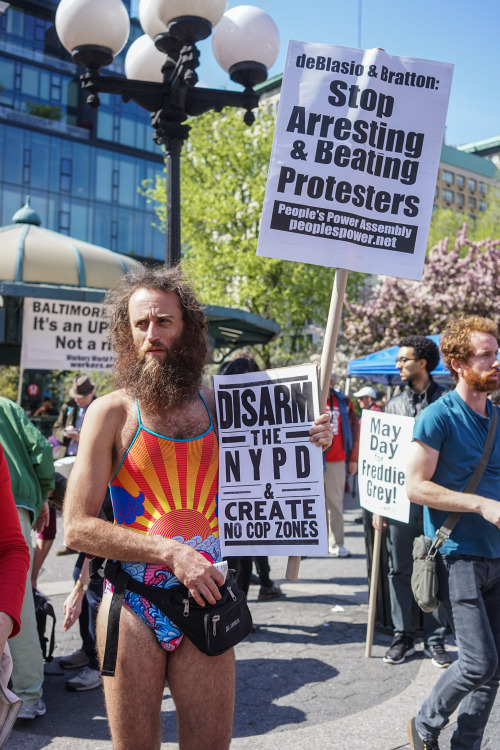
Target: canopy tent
(380, 367)
(37, 262)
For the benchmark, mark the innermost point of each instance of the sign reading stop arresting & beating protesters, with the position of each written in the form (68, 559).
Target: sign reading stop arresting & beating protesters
(271, 487)
(355, 158)
(384, 443)
(64, 335)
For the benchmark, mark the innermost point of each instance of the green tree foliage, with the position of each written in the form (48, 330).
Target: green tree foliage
(44, 110)
(448, 223)
(224, 171)
(9, 381)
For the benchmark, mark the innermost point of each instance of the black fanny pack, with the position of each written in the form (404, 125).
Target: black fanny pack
(214, 628)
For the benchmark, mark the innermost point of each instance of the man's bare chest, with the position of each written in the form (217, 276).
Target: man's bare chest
(186, 423)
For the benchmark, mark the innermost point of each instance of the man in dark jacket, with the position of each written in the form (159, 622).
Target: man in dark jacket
(417, 357)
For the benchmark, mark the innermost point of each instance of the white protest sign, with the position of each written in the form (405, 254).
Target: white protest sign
(384, 443)
(355, 158)
(64, 335)
(271, 481)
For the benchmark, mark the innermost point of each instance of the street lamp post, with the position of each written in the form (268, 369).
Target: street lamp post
(160, 67)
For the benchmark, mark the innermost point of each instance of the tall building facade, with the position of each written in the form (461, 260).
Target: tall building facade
(464, 181)
(82, 168)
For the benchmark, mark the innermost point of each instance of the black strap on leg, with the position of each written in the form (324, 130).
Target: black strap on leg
(113, 630)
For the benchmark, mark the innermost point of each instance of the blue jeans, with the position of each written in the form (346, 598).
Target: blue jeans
(400, 538)
(470, 588)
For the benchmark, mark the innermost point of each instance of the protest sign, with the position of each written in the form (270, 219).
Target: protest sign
(384, 443)
(271, 482)
(355, 158)
(64, 335)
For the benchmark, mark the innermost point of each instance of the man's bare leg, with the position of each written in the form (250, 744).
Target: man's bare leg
(203, 689)
(134, 694)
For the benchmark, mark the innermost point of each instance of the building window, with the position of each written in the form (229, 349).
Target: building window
(460, 181)
(483, 205)
(436, 192)
(18, 77)
(55, 88)
(483, 188)
(448, 177)
(66, 175)
(115, 186)
(26, 166)
(472, 184)
(472, 203)
(64, 222)
(114, 235)
(460, 200)
(448, 195)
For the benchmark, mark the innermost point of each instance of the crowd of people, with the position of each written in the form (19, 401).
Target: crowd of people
(134, 451)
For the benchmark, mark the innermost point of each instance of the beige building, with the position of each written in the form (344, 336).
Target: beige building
(464, 180)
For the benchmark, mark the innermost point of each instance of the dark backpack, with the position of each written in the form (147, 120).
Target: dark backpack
(44, 609)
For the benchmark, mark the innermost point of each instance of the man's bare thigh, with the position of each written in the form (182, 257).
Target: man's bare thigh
(203, 690)
(134, 695)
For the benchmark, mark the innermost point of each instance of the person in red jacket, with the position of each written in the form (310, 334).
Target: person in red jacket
(14, 564)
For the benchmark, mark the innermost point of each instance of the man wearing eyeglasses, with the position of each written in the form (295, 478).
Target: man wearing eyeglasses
(416, 359)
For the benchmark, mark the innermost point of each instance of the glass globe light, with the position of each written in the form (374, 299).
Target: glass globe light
(246, 38)
(144, 61)
(102, 25)
(210, 10)
(150, 22)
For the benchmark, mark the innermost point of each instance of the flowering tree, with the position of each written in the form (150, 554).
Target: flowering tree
(459, 280)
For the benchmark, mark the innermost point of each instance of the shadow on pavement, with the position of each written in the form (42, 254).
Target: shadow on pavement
(263, 683)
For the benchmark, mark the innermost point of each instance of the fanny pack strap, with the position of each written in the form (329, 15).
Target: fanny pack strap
(120, 583)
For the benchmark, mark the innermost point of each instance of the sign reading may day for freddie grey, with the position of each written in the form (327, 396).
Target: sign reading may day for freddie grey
(355, 158)
(271, 486)
(64, 335)
(384, 443)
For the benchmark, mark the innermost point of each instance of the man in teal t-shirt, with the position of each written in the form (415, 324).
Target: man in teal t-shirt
(449, 438)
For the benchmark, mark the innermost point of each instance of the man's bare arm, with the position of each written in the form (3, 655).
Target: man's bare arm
(422, 464)
(87, 485)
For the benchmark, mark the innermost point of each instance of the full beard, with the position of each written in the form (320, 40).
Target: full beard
(160, 384)
(486, 383)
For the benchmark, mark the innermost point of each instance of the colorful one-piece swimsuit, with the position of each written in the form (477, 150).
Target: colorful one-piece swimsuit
(166, 487)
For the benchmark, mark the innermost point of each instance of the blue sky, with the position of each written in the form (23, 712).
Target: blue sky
(453, 31)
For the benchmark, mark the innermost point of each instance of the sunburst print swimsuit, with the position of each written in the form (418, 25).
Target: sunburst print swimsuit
(166, 487)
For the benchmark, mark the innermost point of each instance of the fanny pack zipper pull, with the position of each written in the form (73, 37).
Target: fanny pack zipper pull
(215, 620)
(186, 607)
(233, 597)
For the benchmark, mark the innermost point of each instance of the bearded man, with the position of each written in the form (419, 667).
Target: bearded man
(449, 438)
(155, 441)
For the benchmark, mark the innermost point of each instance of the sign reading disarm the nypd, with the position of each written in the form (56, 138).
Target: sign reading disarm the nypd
(271, 481)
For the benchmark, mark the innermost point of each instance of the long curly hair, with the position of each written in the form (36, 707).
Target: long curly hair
(163, 280)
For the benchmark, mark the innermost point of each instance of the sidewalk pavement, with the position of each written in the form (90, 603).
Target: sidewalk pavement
(303, 681)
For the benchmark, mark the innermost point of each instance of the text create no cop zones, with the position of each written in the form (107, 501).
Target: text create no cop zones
(343, 226)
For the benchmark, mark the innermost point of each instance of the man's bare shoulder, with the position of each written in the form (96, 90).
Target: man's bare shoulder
(114, 403)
